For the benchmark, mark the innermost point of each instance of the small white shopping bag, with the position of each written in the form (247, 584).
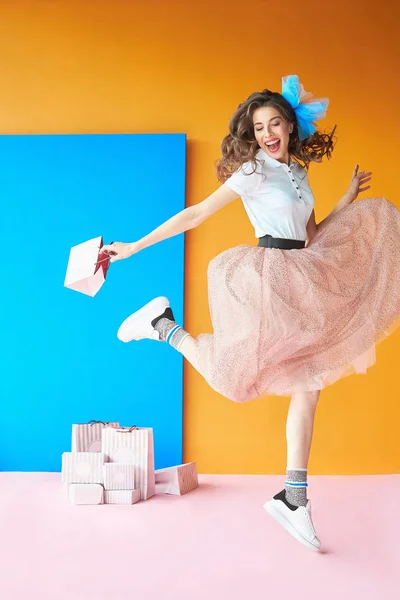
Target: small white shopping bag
(119, 476)
(177, 480)
(132, 445)
(86, 437)
(87, 267)
(82, 467)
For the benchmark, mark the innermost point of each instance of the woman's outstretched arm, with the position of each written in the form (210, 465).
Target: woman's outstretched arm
(189, 218)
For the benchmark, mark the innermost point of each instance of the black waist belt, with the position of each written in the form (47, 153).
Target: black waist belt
(267, 241)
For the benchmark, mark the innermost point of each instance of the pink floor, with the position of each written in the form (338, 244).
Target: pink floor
(216, 542)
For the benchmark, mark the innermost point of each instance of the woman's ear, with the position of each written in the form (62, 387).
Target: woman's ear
(291, 128)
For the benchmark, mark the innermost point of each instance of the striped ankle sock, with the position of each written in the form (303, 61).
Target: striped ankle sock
(169, 330)
(296, 486)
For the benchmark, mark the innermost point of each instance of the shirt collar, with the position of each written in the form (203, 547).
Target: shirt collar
(271, 161)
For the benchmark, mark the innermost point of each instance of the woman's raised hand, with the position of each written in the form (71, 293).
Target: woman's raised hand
(358, 183)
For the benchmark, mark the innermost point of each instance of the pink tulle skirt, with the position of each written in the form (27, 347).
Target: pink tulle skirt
(300, 320)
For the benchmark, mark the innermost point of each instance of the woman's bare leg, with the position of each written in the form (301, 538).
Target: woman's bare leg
(299, 432)
(300, 427)
(188, 348)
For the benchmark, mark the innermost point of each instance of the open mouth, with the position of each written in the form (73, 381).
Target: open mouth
(274, 147)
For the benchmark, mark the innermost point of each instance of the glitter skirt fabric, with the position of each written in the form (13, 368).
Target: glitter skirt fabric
(299, 320)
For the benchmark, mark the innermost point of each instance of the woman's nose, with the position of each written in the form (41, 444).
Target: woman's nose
(268, 131)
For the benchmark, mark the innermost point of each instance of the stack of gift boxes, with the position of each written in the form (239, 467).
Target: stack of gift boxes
(110, 464)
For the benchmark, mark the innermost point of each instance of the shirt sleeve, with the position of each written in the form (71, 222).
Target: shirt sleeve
(244, 182)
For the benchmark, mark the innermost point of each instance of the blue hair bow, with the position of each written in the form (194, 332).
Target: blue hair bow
(307, 111)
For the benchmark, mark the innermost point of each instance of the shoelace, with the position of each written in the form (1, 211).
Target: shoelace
(309, 519)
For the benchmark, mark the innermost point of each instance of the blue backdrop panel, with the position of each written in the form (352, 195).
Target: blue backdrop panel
(61, 360)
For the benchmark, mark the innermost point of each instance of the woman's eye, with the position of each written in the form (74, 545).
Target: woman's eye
(276, 124)
(259, 129)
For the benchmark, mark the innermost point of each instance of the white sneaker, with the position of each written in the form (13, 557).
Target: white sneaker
(297, 522)
(138, 326)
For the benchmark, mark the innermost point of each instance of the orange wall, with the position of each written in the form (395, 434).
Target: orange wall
(75, 66)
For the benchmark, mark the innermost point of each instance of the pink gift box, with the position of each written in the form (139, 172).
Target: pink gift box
(86, 493)
(132, 445)
(86, 437)
(122, 496)
(119, 476)
(87, 267)
(177, 480)
(82, 467)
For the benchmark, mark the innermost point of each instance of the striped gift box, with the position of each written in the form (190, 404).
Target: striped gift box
(86, 437)
(86, 493)
(132, 445)
(122, 496)
(82, 467)
(119, 476)
(177, 480)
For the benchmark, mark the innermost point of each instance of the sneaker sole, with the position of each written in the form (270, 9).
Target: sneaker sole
(282, 520)
(146, 314)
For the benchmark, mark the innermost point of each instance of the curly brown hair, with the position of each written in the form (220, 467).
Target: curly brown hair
(240, 145)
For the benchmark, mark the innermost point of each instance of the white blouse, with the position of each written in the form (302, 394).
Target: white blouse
(276, 197)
